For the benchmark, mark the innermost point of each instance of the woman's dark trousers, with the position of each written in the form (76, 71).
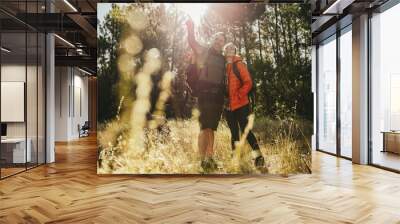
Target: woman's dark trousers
(239, 119)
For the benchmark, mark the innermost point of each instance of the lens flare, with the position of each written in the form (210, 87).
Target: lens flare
(132, 45)
(194, 10)
(126, 63)
(136, 19)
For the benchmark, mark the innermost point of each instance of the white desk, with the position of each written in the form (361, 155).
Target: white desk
(18, 150)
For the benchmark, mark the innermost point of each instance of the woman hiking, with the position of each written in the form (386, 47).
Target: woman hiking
(239, 84)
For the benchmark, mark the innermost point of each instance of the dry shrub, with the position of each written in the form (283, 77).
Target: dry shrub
(172, 149)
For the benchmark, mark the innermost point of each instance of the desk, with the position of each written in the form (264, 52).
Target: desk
(391, 141)
(15, 148)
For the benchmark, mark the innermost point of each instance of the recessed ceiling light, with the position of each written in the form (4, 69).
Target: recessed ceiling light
(86, 72)
(64, 40)
(5, 50)
(337, 7)
(70, 5)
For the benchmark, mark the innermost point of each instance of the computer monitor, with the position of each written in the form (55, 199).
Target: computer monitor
(3, 129)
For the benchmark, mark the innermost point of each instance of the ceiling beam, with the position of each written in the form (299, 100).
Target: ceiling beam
(78, 61)
(90, 31)
(337, 7)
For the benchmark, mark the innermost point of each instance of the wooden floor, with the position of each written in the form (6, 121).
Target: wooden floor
(69, 191)
(387, 159)
(5, 172)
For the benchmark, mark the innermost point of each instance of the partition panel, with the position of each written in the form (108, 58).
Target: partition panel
(23, 88)
(385, 89)
(327, 95)
(15, 149)
(346, 92)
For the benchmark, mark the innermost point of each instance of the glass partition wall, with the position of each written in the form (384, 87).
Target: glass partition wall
(345, 90)
(385, 89)
(327, 95)
(22, 88)
(334, 94)
(334, 105)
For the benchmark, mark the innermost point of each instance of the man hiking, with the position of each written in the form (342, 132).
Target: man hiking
(210, 88)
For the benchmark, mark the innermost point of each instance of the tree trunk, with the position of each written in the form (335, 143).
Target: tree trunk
(296, 40)
(173, 40)
(270, 46)
(234, 36)
(289, 27)
(240, 43)
(246, 49)
(260, 40)
(284, 34)
(277, 45)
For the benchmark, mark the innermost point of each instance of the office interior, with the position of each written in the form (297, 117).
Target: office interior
(356, 82)
(49, 91)
(49, 72)
(48, 80)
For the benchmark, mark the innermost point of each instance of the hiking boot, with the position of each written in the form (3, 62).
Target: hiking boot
(258, 158)
(233, 153)
(259, 162)
(209, 165)
(213, 164)
(204, 165)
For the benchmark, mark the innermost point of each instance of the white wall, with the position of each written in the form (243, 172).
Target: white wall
(80, 112)
(61, 103)
(71, 94)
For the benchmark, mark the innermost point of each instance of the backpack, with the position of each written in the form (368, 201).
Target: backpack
(199, 79)
(252, 92)
(192, 78)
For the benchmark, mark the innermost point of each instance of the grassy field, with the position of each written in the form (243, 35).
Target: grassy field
(172, 149)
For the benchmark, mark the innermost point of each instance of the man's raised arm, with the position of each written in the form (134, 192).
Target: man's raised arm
(191, 38)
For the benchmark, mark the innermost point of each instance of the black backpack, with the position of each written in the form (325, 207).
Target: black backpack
(192, 78)
(197, 77)
(252, 92)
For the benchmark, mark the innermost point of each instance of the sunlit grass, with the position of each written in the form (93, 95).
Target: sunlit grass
(172, 149)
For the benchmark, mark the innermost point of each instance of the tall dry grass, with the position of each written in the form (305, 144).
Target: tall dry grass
(172, 149)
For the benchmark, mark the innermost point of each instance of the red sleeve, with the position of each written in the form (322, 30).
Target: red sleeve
(246, 78)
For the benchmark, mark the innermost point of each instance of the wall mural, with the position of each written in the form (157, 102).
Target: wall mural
(204, 88)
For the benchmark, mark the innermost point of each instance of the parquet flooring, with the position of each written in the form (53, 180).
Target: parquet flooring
(10, 171)
(70, 191)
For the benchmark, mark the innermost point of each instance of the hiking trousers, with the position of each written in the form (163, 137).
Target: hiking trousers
(238, 120)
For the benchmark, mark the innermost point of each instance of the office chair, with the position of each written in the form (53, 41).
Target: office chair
(84, 130)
